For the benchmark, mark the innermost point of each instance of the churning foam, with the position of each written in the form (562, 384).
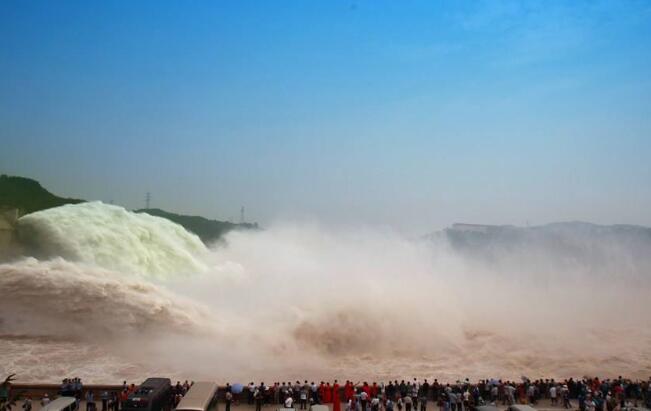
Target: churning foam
(111, 237)
(302, 300)
(370, 304)
(59, 318)
(72, 300)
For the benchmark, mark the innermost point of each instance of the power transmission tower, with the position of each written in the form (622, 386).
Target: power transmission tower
(242, 215)
(147, 200)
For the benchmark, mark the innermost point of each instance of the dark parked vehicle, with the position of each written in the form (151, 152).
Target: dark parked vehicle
(152, 395)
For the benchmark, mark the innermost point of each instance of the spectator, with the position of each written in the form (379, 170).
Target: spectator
(552, 395)
(303, 398)
(258, 397)
(229, 399)
(27, 404)
(114, 404)
(565, 395)
(408, 403)
(315, 393)
(90, 401)
(105, 400)
(250, 392)
(124, 395)
(289, 402)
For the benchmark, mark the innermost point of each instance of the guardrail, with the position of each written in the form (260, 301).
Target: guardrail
(52, 390)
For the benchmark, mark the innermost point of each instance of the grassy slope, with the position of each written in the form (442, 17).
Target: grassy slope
(28, 195)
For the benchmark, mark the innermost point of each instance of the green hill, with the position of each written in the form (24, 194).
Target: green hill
(28, 195)
(208, 230)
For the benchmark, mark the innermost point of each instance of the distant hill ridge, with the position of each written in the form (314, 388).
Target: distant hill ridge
(557, 234)
(564, 247)
(208, 230)
(28, 196)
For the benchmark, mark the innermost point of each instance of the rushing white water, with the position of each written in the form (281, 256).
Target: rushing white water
(301, 300)
(111, 237)
(59, 318)
(63, 299)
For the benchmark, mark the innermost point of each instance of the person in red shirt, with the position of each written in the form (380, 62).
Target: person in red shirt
(348, 390)
(327, 393)
(366, 389)
(124, 395)
(596, 385)
(336, 406)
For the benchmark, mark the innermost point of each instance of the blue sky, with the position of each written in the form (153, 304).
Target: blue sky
(408, 114)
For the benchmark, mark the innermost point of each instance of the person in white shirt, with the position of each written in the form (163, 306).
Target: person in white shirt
(408, 403)
(303, 398)
(466, 399)
(565, 394)
(494, 393)
(552, 394)
(289, 402)
(531, 394)
(250, 395)
(510, 394)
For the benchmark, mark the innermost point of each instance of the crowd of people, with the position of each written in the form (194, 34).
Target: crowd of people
(178, 392)
(587, 394)
(109, 400)
(73, 387)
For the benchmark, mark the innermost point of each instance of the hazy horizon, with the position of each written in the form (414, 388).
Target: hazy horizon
(408, 115)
